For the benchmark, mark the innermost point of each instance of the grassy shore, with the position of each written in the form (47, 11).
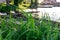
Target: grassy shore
(30, 29)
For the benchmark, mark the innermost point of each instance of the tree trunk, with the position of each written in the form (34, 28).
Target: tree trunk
(31, 6)
(36, 3)
(7, 2)
(7, 5)
(16, 2)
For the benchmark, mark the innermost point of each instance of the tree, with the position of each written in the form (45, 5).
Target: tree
(7, 5)
(17, 1)
(33, 4)
(36, 3)
(7, 2)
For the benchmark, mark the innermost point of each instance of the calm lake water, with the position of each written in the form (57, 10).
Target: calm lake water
(53, 12)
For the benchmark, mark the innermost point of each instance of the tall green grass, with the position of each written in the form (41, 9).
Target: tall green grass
(30, 29)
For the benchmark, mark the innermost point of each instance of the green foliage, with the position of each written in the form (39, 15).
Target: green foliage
(30, 29)
(17, 2)
(20, 1)
(7, 8)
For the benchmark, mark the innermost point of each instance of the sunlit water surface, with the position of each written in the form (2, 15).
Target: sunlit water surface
(53, 12)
